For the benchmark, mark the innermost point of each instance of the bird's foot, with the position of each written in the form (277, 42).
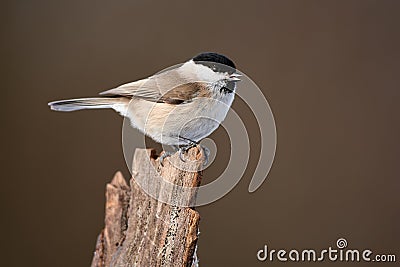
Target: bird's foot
(163, 156)
(185, 149)
(204, 150)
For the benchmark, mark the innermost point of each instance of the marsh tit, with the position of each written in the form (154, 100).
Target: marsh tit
(178, 107)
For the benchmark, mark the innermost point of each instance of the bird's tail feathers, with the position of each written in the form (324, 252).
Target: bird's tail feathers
(87, 103)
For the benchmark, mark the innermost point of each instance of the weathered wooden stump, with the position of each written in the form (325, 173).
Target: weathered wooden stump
(143, 231)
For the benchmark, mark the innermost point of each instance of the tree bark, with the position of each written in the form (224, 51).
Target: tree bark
(143, 231)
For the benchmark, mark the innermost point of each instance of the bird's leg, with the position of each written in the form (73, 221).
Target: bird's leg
(191, 143)
(184, 149)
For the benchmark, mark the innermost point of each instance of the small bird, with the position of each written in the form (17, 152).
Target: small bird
(178, 107)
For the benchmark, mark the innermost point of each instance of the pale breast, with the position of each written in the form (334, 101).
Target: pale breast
(194, 120)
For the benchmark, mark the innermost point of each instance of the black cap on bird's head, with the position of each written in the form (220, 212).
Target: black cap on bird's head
(221, 64)
(215, 61)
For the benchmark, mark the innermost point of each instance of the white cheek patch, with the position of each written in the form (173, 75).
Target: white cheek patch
(200, 73)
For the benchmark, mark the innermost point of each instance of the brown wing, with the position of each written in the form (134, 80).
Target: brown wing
(184, 93)
(168, 87)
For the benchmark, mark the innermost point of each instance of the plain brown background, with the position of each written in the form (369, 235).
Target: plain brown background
(329, 69)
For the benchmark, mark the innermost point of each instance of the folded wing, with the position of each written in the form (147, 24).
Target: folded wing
(167, 87)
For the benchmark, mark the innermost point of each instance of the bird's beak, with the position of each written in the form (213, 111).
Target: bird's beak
(234, 77)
